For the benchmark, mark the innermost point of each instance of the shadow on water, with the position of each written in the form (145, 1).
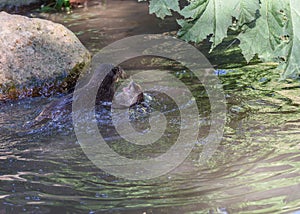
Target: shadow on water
(254, 170)
(104, 22)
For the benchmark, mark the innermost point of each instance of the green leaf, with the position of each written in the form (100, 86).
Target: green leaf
(163, 8)
(264, 37)
(194, 9)
(268, 28)
(214, 17)
(292, 65)
(59, 4)
(275, 36)
(246, 11)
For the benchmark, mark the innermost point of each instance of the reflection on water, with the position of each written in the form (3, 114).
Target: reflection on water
(256, 167)
(107, 21)
(254, 170)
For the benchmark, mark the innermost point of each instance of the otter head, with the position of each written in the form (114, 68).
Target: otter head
(131, 95)
(118, 73)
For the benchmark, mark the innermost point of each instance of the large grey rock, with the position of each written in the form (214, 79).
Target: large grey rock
(33, 49)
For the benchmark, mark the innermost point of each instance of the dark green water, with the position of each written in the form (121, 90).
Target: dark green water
(256, 168)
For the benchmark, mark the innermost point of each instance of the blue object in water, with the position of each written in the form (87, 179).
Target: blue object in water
(220, 72)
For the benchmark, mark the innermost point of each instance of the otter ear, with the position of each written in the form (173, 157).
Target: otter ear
(115, 70)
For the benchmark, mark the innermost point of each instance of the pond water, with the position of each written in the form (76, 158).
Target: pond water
(254, 170)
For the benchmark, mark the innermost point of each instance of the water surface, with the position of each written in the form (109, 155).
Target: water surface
(254, 170)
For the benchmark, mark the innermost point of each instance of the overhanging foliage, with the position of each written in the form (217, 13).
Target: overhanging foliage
(266, 28)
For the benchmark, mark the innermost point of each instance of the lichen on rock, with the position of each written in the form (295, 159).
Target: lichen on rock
(35, 52)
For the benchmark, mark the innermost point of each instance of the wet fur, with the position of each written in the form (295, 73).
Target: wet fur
(64, 105)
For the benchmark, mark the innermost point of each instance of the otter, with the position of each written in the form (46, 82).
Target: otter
(106, 92)
(130, 95)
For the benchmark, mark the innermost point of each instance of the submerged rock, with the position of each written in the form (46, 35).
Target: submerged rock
(35, 51)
